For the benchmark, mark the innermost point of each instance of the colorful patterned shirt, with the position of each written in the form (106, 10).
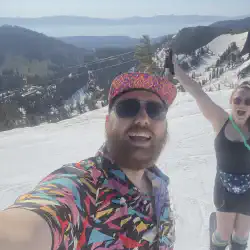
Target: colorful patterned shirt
(93, 205)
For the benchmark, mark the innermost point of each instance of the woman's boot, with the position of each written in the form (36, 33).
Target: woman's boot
(213, 247)
(237, 246)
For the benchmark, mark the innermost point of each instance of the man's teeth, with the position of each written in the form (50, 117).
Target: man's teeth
(140, 134)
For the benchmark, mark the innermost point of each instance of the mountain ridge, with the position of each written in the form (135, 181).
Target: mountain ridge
(73, 20)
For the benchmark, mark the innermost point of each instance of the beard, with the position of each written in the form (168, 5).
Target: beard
(129, 156)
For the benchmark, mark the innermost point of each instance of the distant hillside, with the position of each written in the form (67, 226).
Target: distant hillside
(38, 74)
(100, 41)
(190, 39)
(65, 26)
(34, 53)
(242, 24)
(90, 42)
(82, 20)
(186, 41)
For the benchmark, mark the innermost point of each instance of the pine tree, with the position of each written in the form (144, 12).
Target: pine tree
(217, 63)
(213, 73)
(185, 66)
(217, 73)
(144, 54)
(221, 71)
(233, 57)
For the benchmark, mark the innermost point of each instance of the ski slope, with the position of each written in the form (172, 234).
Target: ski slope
(218, 46)
(29, 154)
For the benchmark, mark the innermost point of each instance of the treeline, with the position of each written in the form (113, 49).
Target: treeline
(30, 100)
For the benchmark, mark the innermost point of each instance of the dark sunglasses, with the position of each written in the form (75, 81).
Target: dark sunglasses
(238, 101)
(130, 108)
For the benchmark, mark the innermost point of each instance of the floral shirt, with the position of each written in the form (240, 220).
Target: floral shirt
(93, 205)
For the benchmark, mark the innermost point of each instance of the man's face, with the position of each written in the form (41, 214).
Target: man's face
(136, 142)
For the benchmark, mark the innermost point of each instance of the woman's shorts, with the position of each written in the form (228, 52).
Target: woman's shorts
(229, 202)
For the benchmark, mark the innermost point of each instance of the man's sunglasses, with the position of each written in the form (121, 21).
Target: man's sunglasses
(238, 101)
(130, 108)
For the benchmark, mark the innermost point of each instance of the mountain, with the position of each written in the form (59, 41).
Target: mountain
(187, 40)
(38, 74)
(89, 42)
(82, 20)
(32, 52)
(242, 24)
(155, 26)
(190, 39)
(74, 79)
(220, 64)
(97, 42)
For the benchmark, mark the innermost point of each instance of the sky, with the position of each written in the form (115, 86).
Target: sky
(122, 8)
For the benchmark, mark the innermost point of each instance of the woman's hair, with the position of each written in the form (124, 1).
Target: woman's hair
(243, 85)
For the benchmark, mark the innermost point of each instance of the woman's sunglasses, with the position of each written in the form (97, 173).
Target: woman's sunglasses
(238, 101)
(130, 108)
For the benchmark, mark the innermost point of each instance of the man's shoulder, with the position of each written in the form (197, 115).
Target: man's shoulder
(90, 168)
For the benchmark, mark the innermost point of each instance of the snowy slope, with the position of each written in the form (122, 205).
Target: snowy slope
(29, 154)
(218, 46)
(229, 79)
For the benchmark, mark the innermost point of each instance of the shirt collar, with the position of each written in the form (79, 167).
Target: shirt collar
(153, 173)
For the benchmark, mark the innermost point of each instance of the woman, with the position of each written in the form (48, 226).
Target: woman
(232, 148)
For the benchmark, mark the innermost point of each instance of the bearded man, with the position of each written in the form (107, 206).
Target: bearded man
(117, 199)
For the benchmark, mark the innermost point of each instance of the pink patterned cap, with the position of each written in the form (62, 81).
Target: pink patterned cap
(143, 81)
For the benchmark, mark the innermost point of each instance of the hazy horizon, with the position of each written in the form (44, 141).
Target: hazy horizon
(117, 9)
(115, 18)
(120, 9)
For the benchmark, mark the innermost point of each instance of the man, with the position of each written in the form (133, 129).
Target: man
(115, 200)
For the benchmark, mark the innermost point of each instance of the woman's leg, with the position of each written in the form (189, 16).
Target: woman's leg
(225, 224)
(241, 232)
(224, 230)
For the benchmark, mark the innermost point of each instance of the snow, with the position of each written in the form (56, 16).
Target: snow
(29, 154)
(221, 43)
(218, 46)
(229, 79)
(78, 97)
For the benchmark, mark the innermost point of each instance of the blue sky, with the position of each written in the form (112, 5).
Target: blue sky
(122, 8)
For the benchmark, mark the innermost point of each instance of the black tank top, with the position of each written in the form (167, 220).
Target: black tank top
(232, 156)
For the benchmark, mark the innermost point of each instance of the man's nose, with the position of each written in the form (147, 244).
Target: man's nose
(142, 118)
